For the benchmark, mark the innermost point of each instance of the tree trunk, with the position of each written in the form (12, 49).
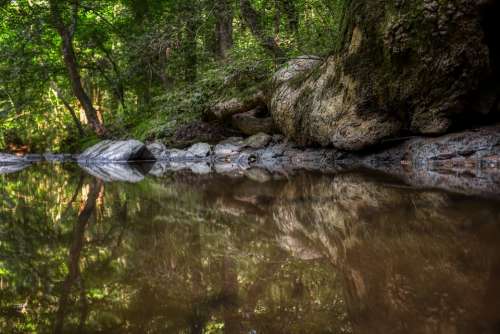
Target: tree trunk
(190, 15)
(292, 15)
(223, 27)
(69, 56)
(251, 18)
(277, 17)
(72, 112)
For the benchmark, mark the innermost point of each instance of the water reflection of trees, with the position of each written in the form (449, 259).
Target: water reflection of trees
(200, 254)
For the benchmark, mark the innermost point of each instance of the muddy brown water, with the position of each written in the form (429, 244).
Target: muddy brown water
(352, 252)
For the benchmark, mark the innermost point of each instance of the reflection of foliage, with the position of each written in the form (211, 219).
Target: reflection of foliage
(154, 258)
(187, 254)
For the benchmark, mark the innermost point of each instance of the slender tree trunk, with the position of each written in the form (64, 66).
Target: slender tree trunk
(70, 60)
(230, 294)
(191, 56)
(198, 317)
(291, 14)
(118, 85)
(224, 27)
(277, 17)
(252, 19)
(68, 106)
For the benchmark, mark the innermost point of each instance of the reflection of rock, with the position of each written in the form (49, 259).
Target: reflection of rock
(258, 174)
(12, 163)
(109, 172)
(51, 157)
(403, 254)
(119, 151)
(34, 157)
(161, 168)
(466, 162)
(13, 168)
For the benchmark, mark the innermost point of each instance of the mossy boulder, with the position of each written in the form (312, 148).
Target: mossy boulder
(419, 66)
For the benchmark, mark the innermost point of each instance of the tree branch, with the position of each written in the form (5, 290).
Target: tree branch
(251, 18)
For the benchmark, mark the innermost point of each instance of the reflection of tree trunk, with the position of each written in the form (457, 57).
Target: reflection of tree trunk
(84, 308)
(73, 198)
(198, 317)
(230, 295)
(86, 210)
(492, 296)
(255, 291)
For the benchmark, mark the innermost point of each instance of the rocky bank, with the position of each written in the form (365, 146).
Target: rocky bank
(412, 90)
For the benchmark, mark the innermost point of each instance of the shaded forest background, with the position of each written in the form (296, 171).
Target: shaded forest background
(74, 71)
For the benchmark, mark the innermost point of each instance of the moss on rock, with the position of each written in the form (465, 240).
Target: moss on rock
(403, 65)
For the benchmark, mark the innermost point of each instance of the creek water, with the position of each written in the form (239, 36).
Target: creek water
(351, 252)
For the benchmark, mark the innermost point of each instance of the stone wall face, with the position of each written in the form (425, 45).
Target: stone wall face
(423, 67)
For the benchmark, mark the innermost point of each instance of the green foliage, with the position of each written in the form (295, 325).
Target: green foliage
(147, 66)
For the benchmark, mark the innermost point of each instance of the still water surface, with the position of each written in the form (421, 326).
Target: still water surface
(184, 253)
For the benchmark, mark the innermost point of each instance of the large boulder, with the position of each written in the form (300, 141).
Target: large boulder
(7, 159)
(116, 151)
(420, 66)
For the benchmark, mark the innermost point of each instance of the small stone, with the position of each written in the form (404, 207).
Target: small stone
(257, 141)
(34, 157)
(200, 150)
(176, 154)
(158, 151)
(227, 149)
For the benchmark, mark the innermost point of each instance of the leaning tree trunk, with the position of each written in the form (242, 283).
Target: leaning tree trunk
(402, 67)
(70, 60)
